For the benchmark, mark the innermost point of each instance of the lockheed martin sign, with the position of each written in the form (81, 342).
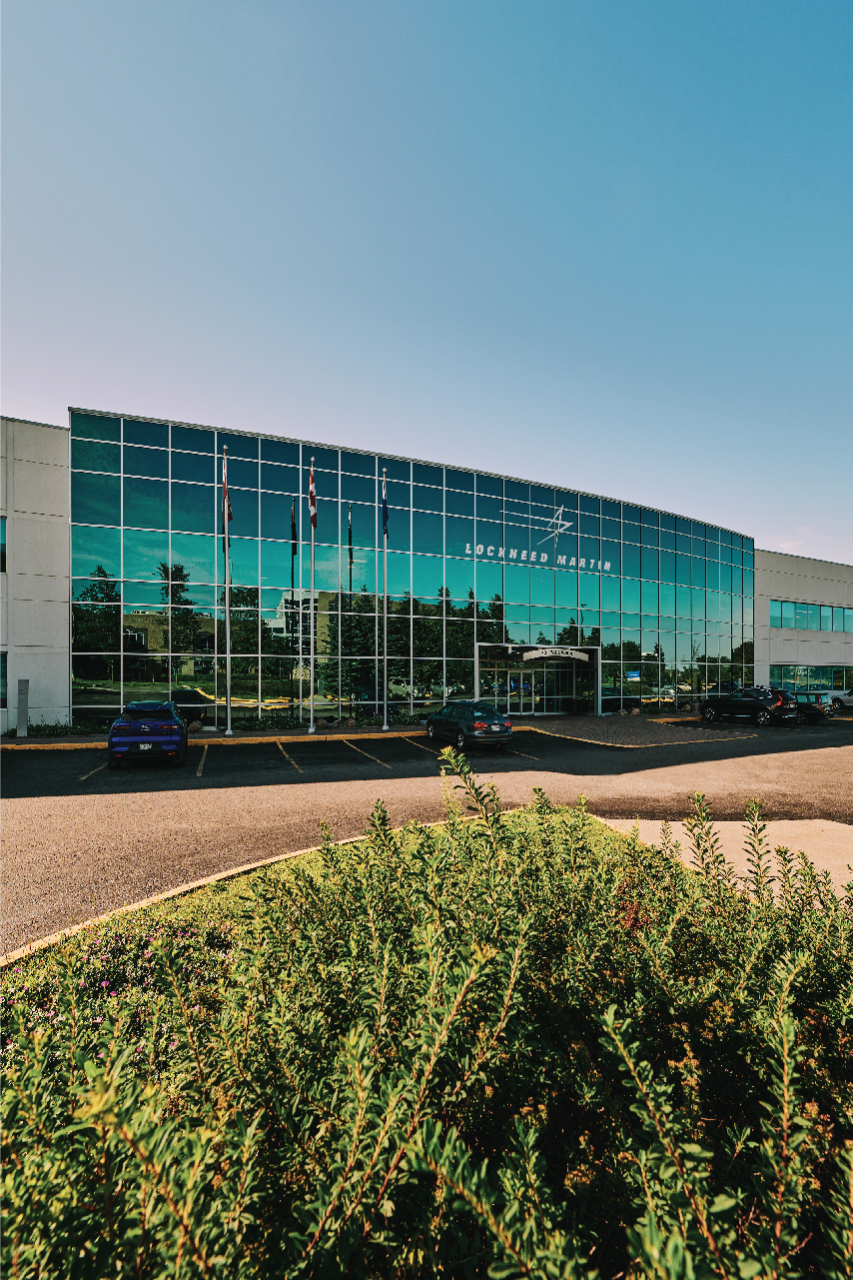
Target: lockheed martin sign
(555, 651)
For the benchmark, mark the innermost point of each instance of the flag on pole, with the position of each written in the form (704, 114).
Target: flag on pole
(384, 508)
(312, 498)
(227, 513)
(294, 538)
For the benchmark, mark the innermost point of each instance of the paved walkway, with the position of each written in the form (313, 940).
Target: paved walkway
(828, 844)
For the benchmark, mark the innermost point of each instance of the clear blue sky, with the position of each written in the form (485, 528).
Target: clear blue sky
(602, 244)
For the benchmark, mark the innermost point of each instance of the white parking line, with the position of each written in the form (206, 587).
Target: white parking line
(431, 750)
(200, 770)
(521, 753)
(367, 753)
(288, 758)
(94, 771)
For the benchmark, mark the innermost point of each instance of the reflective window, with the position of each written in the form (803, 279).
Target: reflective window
(237, 446)
(242, 475)
(95, 427)
(95, 499)
(146, 462)
(193, 467)
(94, 455)
(280, 479)
(146, 503)
(146, 553)
(193, 439)
(155, 434)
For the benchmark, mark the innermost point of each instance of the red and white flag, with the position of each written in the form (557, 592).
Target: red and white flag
(312, 498)
(227, 513)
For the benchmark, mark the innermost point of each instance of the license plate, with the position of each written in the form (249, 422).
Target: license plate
(496, 728)
(145, 746)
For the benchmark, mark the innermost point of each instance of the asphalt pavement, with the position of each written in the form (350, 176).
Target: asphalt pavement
(80, 840)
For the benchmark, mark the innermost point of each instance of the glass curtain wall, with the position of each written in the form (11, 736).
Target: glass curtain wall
(471, 557)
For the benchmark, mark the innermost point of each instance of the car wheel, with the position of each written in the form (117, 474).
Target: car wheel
(460, 740)
(801, 717)
(837, 704)
(430, 731)
(764, 717)
(113, 762)
(709, 714)
(181, 759)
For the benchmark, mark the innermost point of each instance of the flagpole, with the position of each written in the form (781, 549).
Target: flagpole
(384, 604)
(311, 726)
(229, 732)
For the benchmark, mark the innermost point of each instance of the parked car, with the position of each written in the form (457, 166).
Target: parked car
(470, 722)
(764, 706)
(842, 699)
(151, 729)
(191, 704)
(813, 707)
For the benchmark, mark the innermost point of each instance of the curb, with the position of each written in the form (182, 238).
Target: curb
(221, 740)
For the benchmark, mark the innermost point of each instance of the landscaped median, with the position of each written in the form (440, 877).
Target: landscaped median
(511, 1044)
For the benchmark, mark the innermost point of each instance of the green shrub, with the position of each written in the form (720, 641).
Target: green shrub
(512, 1046)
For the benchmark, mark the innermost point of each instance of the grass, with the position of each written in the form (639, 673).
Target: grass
(510, 1045)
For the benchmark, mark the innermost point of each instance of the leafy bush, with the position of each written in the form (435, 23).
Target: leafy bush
(512, 1046)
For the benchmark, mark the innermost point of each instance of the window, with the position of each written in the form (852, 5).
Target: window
(3, 544)
(4, 658)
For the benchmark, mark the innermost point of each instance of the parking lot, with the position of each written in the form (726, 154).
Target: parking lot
(80, 839)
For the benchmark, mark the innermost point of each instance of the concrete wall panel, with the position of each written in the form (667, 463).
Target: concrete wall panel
(41, 549)
(41, 623)
(37, 442)
(41, 490)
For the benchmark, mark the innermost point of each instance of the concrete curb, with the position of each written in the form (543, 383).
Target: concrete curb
(220, 739)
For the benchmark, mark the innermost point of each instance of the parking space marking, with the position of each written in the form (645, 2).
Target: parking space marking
(94, 771)
(521, 753)
(200, 770)
(288, 758)
(432, 751)
(367, 753)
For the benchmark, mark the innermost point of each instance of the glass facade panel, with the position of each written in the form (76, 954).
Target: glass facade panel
(494, 560)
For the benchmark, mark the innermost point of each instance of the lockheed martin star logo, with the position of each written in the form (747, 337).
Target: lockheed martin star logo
(557, 525)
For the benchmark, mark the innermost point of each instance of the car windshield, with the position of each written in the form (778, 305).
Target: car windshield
(148, 711)
(482, 709)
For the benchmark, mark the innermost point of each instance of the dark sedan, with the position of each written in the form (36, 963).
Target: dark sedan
(814, 707)
(148, 729)
(764, 706)
(474, 723)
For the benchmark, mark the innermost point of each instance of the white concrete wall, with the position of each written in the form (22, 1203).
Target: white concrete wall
(783, 577)
(35, 493)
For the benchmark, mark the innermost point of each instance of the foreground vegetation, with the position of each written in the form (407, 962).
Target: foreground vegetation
(514, 1045)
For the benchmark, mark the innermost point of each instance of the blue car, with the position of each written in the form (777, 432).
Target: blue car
(150, 730)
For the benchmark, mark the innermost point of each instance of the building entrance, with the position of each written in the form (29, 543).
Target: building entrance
(528, 680)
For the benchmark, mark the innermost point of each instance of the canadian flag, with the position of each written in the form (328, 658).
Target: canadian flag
(312, 498)
(227, 513)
